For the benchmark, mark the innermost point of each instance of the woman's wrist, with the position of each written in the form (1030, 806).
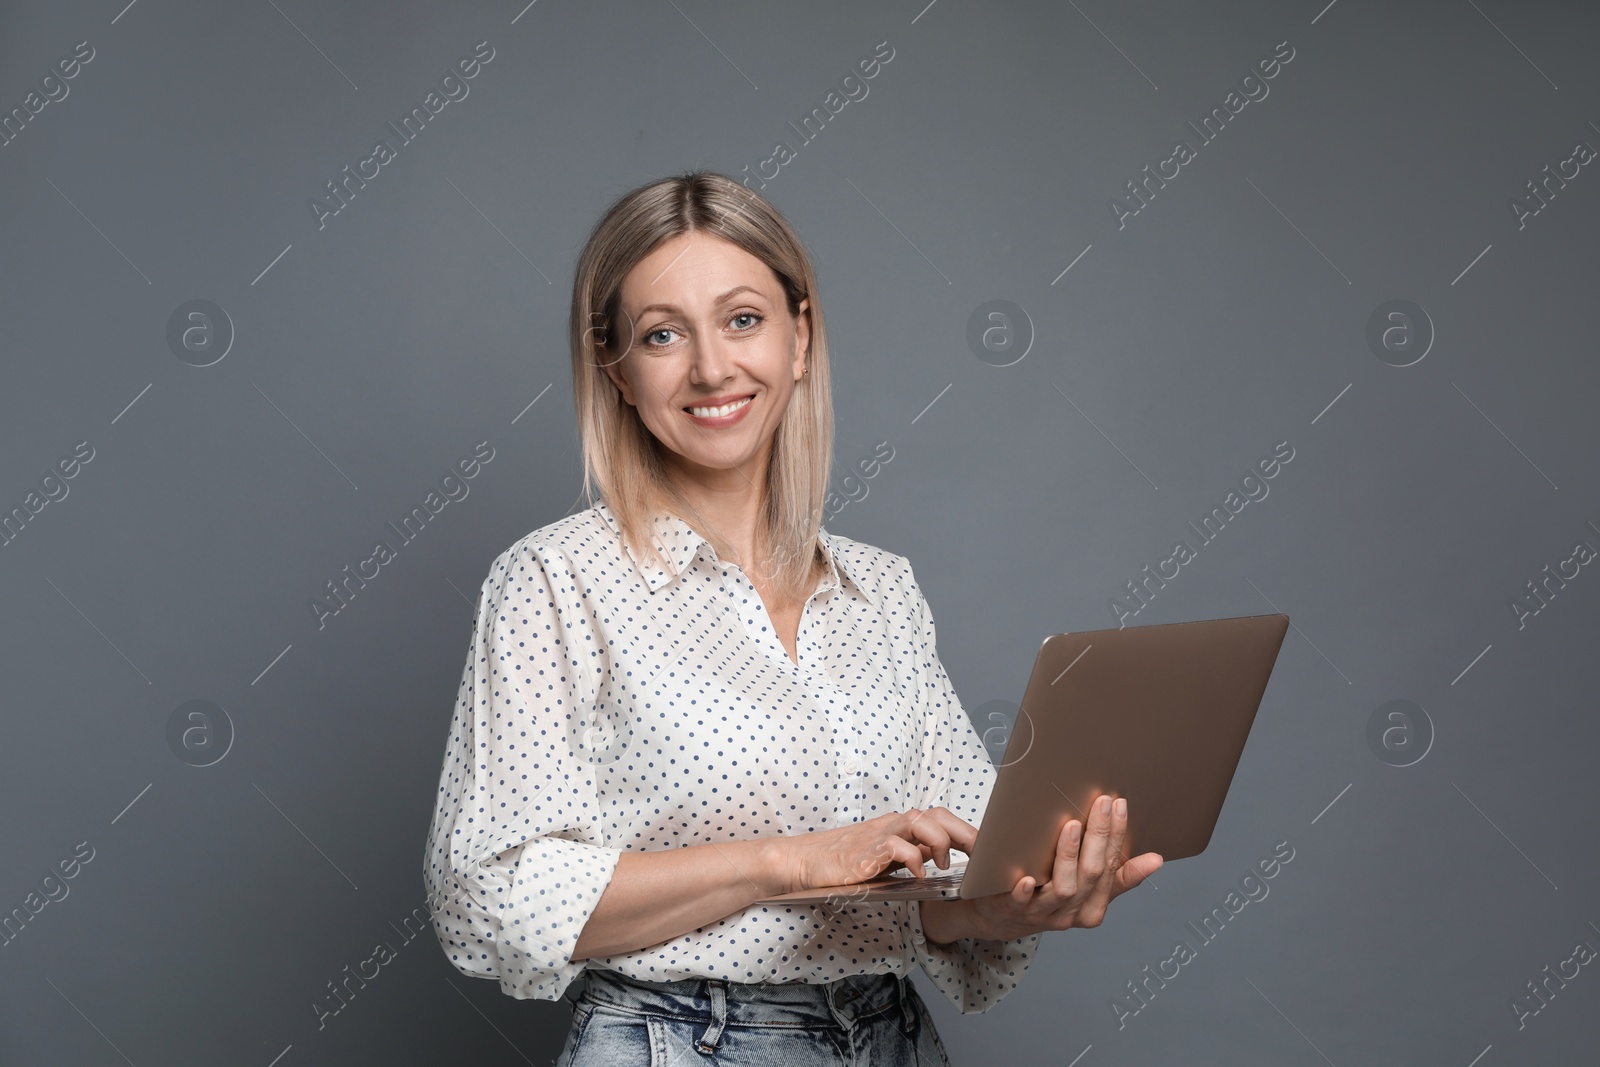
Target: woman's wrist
(946, 921)
(770, 869)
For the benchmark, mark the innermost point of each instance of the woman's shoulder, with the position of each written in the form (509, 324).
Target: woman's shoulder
(582, 533)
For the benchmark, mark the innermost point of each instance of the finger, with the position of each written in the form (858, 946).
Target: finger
(1063, 868)
(886, 855)
(929, 831)
(1106, 883)
(932, 845)
(1092, 852)
(925, 831)
(1137, 870)
(898, 822)
(1023, 892)
(898, 848)
(963, 834)
(1063, 883)
(1117, 835)
(902, 826)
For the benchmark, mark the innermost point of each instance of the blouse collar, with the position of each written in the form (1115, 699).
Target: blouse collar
(678, 542)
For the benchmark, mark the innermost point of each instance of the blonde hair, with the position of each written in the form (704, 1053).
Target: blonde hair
(620, 454)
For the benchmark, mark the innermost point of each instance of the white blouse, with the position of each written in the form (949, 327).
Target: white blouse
(607, 705)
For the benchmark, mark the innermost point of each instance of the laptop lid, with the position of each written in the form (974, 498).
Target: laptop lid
(1157, 713)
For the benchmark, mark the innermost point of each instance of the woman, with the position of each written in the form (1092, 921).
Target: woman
(690, 697)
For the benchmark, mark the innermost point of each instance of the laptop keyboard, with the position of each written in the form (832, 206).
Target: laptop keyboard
(948, 883)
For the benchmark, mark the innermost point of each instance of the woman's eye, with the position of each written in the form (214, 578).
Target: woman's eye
(662, 336)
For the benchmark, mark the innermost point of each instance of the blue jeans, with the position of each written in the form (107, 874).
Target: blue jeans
(870, 1019)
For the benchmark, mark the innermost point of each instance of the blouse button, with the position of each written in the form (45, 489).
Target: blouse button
(850, 764)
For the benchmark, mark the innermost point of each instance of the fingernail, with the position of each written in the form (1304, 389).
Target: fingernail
(1105, 805)
(1122, 806)
(1075, 831)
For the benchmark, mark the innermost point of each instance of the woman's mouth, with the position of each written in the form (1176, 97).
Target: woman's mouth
(720, 415)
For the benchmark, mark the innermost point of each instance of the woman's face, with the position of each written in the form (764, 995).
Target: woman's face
(710, 355)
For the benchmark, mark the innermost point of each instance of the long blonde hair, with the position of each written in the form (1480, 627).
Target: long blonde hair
(620, 454)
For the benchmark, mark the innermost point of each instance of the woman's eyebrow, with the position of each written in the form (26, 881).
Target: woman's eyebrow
(723, 299)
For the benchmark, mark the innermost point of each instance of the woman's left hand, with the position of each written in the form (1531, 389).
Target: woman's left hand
(1089, 872)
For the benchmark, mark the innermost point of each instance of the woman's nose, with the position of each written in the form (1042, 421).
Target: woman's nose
(710, 359)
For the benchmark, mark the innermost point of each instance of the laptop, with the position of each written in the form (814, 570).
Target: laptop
(1157, 713)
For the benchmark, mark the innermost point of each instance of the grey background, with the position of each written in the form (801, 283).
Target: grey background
(371, 354)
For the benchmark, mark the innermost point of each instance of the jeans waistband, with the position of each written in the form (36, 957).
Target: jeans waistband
(721, 1004)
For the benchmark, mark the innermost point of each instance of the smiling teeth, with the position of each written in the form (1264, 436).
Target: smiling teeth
(726, 409)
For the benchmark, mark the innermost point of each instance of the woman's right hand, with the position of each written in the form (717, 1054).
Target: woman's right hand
(867, 849)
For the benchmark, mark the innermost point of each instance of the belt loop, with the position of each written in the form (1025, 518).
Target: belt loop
(719, 1015)
(904, 985)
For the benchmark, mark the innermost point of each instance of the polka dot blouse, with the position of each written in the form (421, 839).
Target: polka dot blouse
(610, 704)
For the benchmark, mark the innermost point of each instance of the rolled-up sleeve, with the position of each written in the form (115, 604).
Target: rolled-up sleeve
(955, 772)
(513, 869)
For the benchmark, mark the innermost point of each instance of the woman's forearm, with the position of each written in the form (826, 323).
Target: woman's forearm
(655, 896)
(944, 921)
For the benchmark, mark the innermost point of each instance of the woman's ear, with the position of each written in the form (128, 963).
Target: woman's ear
(802, 338)
(613, 370)
(606, 352)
